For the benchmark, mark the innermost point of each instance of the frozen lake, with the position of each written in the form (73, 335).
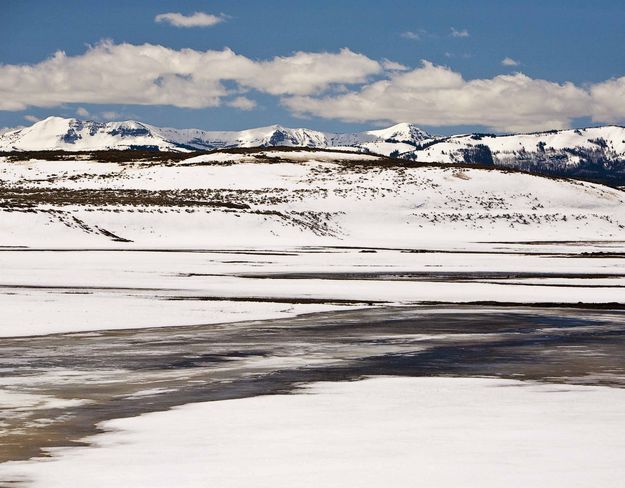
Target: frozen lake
(90, 336)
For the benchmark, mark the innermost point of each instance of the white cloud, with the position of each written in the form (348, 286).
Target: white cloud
(305, 72)
(155, 75)
(198, 19)
(31, 118)
(343, 85)
(609, 98)
(389, 65)
(110, 115)
(437, 96)
(415, 36)
(509, 62)
(459, 33)
(106, 115)
(242, 103)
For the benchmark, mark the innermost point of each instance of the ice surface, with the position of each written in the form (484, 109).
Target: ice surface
(45, 292)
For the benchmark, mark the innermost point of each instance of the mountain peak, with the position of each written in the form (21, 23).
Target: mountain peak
(402, 126)
(53, 121)
(403, 131)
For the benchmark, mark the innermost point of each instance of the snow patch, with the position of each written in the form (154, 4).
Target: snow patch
(437, 432)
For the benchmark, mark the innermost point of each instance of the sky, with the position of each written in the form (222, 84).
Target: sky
(448, 66)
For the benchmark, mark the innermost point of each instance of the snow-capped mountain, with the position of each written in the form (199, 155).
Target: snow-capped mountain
(596, 153)
(570, 147)
(56, 133)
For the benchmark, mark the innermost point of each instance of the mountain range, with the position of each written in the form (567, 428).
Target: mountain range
(596, 154)
(56, 133)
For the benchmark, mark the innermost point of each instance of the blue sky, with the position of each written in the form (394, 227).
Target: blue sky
(553, 40)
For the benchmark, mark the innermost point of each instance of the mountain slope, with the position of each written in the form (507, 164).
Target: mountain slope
(297, 197)
(593, 153)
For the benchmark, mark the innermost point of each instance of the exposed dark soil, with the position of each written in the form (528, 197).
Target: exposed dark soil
(34, 197)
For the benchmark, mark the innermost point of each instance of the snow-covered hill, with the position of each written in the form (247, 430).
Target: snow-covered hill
(56, 133)
(292, 197)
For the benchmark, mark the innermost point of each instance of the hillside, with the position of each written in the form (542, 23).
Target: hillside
(292, 197)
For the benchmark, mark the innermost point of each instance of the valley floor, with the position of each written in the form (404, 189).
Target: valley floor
(44, 291)
(466, 351)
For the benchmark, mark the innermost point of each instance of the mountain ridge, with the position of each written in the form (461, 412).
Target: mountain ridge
(57, 133)
(592, 153)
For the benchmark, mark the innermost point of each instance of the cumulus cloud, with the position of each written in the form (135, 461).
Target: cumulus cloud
(242, 103)
(198, 19)
(509, 62)
(609, 98)
(389, 65)
(459, 32)
(436, 95)
(305, 72)
(155, 75)
(342, 85)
